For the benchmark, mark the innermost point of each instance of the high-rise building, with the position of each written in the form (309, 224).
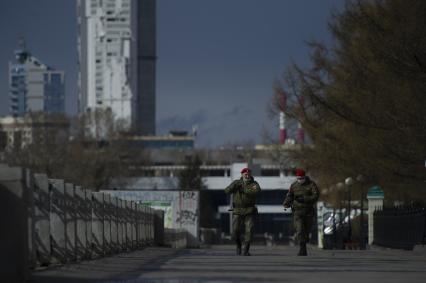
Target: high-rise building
(117, 57)
(34, 86)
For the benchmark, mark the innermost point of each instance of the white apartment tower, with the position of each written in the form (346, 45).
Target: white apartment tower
(116, 47)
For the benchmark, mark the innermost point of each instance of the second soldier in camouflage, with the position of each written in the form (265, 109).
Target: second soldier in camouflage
(301, 197)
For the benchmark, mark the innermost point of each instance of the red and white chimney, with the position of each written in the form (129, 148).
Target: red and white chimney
(282, 101)
(300, 134)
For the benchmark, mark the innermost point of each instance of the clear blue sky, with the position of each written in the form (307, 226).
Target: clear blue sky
(217, 59)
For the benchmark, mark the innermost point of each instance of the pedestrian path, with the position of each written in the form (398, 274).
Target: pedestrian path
(268, 264)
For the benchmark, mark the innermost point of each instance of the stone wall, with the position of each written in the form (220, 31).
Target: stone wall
(181, 209)
(47, 221)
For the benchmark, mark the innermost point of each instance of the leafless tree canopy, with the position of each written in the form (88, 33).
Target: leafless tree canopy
(363, 99)
(83, 155)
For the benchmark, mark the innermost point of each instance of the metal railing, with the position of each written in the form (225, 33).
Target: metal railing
(400, 227)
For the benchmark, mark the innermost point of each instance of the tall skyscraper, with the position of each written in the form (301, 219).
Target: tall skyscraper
(117, 56)
(34, 86)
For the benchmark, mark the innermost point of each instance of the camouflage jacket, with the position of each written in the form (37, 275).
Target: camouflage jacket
(244, 196)
(302, 197)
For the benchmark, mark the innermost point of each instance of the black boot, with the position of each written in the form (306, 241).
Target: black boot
(246, 249)
(238, 247)
(302, 250)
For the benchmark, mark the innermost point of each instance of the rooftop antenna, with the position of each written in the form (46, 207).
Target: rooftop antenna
(21, 54)
(21, 43)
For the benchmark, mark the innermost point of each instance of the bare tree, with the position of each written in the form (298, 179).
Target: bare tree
(362, 101)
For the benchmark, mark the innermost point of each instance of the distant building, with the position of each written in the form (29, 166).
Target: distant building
(117, 57)
(274, 179)
(34, 86)
(175, 140)
(18, 132)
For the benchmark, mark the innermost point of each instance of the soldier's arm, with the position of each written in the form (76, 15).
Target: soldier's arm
(252, 189)
(315, 194)
(288, 201)
(232, 188)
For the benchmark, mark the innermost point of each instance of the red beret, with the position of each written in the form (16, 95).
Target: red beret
(244, 170)
(300, 173)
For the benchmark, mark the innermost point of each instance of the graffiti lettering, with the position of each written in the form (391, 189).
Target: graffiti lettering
(189, 195)
(186, 217)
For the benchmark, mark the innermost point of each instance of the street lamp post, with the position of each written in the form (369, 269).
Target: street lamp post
(360, 179)
(349, 182)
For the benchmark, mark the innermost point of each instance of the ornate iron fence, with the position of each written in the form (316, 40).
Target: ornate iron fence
(400, 227)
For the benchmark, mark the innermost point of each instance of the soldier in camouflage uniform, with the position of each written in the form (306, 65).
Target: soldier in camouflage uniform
(301, 197)
(244, 193)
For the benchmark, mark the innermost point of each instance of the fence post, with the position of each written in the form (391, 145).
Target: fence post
(41, 219)
(114, 225)
(128, 215)
(80, 218)
(375, 198)
(57, 220)
(70, 223)
(121, 232)
(97, 225)
(133, 215)
(107, 224)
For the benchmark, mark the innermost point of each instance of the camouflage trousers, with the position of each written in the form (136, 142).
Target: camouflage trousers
(302, 225)
(245, 221)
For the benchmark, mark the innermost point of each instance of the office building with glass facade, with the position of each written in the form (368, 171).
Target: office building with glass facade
(34, 86)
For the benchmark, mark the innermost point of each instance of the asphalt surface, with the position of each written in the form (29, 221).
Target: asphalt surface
(218, 264)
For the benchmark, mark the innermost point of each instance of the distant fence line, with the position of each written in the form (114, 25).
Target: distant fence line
(46, 221)
(400, 227)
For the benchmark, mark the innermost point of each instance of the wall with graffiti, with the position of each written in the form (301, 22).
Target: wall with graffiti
(181, 208)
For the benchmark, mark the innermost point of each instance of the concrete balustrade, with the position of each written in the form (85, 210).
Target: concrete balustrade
(41, 220)
(133, 214)
(128, 218)
(114, 225)
(52, 222)
(57, 220)
(97, 225)
(120, 225)
(14, 250)
(107, 224)
(70, 223)
(81, 211)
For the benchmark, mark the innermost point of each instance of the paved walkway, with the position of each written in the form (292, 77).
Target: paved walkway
(268, 264)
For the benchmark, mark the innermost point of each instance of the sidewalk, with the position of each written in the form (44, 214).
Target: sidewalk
(268, 264)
